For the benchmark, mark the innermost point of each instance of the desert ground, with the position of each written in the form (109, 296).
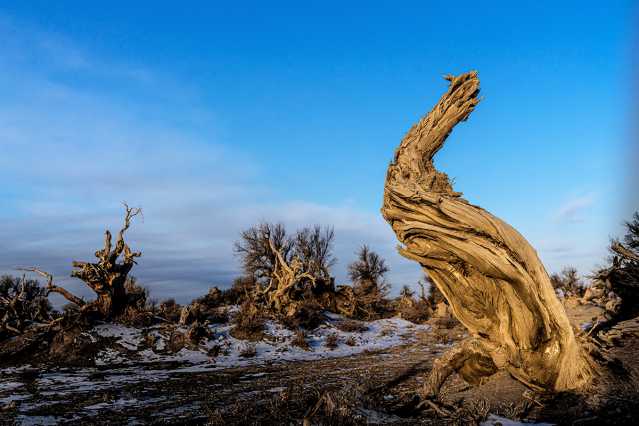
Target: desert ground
(372, 382)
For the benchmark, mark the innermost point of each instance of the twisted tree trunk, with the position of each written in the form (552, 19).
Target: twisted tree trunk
(492, 278)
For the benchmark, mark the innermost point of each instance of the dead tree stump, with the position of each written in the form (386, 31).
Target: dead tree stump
(492, 278)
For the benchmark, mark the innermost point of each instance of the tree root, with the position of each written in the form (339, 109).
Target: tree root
(471, 359)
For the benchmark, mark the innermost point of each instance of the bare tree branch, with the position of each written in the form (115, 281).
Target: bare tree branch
(52, 288)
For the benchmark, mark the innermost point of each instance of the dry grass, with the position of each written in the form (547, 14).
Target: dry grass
(331, 341)
(177, 341)
(351, 326)
(136, 317)
(248, 351)
(386, 331)
(441, 336)
(446, 322)
(149, 340)
(417, 313)
(300, 340)
(249, 323)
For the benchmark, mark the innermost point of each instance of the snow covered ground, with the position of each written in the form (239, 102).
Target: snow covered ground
(142, 356)
(132, 346)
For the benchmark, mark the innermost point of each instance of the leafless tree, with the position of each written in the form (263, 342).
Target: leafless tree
(568, 282)
(492, 278)
(369, 286)
(288, 270)
(108, 277)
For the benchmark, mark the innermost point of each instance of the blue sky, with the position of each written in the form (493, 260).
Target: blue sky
(213, 116)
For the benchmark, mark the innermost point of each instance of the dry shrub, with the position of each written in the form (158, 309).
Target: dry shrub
(149, 339)
(177, 341)
(136, 294)
(136, 317)
(300, 340)
(217, 316)
(351, 341)
(197, 332)
(441, 336)
(308, 315)
(418, 312)
(170, 310)
(369, 287)
(351, 326)
(215, 351)
(248, 351)
(447, 322)
(239, 292)
(386, 331)
(331, 341)
(23, 302)
(569, 282)
(249, 322)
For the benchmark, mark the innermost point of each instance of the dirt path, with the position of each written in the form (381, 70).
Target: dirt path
(169, 394)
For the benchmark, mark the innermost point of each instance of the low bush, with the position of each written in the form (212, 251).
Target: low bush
(300, 340)
(309, 315)
(417, 312)
(248, 322)
(331, 341)
(248, 351)
(170, 310)
(177, 341)
(136, 317)
(351, 326)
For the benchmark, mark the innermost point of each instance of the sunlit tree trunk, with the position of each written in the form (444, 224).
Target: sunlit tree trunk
(491, 276)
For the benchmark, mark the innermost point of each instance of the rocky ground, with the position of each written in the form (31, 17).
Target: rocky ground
(366, 383)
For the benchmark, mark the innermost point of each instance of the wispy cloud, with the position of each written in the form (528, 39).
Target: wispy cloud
(573, 209)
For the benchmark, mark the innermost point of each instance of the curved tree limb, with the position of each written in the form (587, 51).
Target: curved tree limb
(52, 288)
(492, 278)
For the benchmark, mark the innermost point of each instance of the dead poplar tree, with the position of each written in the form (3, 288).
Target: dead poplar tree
(491, 276)
(107, 277)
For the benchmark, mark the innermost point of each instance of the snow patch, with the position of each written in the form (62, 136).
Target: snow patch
(494, 420)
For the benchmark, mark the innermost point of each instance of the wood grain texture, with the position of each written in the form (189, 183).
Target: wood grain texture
(491, 276)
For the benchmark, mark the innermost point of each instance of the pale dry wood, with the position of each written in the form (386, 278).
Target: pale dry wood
(492, 278)
(286, 276)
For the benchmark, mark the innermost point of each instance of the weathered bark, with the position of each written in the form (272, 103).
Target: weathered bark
(492, 278)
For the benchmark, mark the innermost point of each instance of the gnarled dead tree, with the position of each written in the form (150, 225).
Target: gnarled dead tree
(492, 278)
(288, 272)
(106, 277)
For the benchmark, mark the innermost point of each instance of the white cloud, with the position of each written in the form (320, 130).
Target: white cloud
(573, 209)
